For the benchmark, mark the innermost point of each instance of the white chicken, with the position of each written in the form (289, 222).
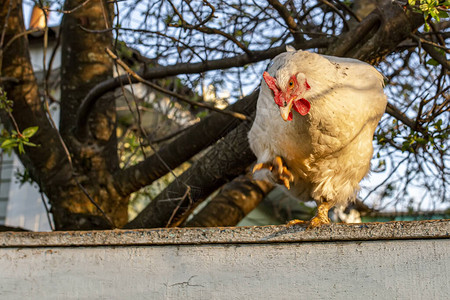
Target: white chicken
(314, 125)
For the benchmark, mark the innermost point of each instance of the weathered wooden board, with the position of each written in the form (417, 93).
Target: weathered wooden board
(403, 268)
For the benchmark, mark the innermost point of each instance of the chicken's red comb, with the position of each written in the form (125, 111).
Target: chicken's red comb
(272, 83)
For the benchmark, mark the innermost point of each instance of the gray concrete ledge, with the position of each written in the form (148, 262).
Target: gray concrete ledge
(396, 260)
(434, 229)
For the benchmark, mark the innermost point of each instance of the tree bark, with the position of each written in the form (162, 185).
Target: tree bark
(233, 202)
(194, 140)
(378, 34)
(49, 169)
(222, 162)
(90, 200)
(44, 166)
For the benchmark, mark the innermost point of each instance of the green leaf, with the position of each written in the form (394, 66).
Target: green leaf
(30, 144)
(443, 14)
(421, 141)
(21, 149)
(432, 62)
(9, 143)
(435, 15)
(30, 131)
(201, 114)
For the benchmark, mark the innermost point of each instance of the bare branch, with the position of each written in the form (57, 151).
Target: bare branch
(234, 201)
(173, 94)
(208, 30)
(195, 139)
(424, 41)
(187, 68)
(436, 55)
(223, 162)
(353, 37)
(288, 19)
(69, 11)
(337, 11)
(393, 111)
(348, 10)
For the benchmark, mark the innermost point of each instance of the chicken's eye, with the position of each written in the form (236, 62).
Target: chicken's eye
(291, 84)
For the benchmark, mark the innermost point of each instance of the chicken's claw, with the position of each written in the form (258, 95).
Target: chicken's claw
(282, 173)
(260, 166)
(295, 222)
(279, 171)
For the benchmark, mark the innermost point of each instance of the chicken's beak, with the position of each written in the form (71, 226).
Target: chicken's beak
(284, 111)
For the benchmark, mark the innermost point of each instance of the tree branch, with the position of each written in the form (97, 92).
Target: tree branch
(436, 55)
(390, 26)
(223, 162)
(284, 13)
(350, 39)
(195, 139)
(208, 30)
(396, 113)
(338, 12)
(187, 68)
(348, 10)
(170, 93)
(234, 201)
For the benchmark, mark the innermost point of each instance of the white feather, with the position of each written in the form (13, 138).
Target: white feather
(289, 48)
(328, 150)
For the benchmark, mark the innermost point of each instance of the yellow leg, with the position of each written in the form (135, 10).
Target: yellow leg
(321, 217)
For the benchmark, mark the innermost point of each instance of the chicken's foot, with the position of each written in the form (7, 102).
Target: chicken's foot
(321, 217)
(279, 171)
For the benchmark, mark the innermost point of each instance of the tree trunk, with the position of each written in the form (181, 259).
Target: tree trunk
(86, 201)
(78, 182)
(43, 165)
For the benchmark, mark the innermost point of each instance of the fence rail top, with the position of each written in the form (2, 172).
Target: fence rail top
(433, 229)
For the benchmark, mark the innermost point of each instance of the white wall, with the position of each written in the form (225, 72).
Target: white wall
(250, 263)
(6, 171)
(25, 207)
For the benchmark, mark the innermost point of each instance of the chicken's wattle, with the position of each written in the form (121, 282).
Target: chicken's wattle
(302, 106)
